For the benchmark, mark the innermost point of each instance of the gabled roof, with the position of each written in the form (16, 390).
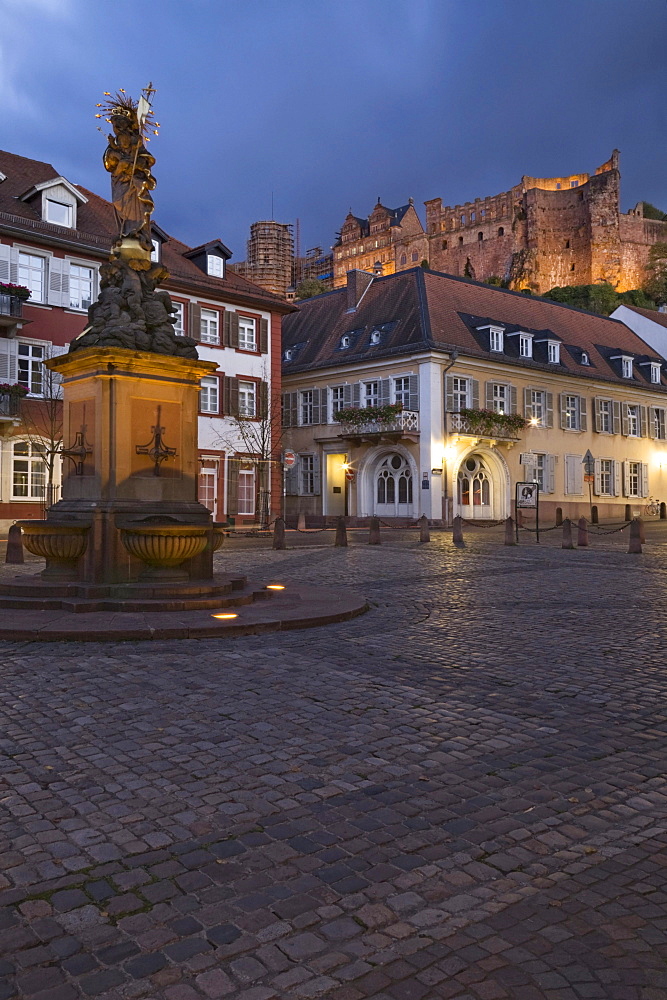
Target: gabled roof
(53, 182)
(657, 317)
(97, 228)
(434, 311)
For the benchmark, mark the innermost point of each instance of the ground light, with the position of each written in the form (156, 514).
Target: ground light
(225, 616)
(275, 586)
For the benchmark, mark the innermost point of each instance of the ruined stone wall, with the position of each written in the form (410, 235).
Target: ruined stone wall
(637, 237)
(557, 238)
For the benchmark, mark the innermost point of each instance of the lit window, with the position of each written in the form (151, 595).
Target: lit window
(553, 353)
(32, 274)
(247, 339)
(525, 346)
(179, 329)
(215, 265)
(247, 399)
(626, 367)
(80, 286)
(31, 371)
(58, 213)
(246, 492)
(29, 471)
(495, 339)
(209, 327)
(208, 396)
(307, 406)
(536, 406)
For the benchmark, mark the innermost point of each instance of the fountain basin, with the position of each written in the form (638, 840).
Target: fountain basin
(164, 548)
(60, 544)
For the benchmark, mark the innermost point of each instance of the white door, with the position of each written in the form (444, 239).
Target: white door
(393, 488)
(474, 490)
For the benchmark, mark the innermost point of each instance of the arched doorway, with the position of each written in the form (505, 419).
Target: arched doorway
(475, 489)
(393, 487)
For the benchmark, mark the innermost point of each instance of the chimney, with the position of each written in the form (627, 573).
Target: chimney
(357, 283)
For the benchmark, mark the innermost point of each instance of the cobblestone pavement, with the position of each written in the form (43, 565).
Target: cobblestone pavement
(458, 795)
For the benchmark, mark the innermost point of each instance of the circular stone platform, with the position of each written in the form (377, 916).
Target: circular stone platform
(290, 608)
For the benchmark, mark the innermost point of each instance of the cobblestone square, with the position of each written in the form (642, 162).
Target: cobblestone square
(460, 794)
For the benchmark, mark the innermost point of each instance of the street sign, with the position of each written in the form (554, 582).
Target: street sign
(589, 464)
(589, 479)
(527, 494)
(289, 458)
(349, 475)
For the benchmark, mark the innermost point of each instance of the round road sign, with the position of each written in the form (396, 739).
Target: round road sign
(289, 458)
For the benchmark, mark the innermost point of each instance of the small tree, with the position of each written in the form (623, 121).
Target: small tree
(310, 287)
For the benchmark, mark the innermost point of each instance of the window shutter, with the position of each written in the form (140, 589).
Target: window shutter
(294, 408)
(643, 430)
(449, 393)
(316, 475)
(232, 485)
(617, 479)
(5, 259)
(578, 476)
(347, 394)
(230, 397)
(625, 419)
(550, 473)
(598, 414)
(616, 422)
(413, 386)
(474, 393)
(356, 394)
(527, 411)
(8, 361)
(549, 418)
(513, 399)
(263, 400)
(653, 418)
(597, 485)
(194, 320)
(644, 479)
(58, 275)
(286, 421)
(626, 478)
(385, 391)
(292, 480)
(299, 475)
(264, 336)
(324, 405)
(488, 395)
(583, 416)
(563, 410)
(231, 329)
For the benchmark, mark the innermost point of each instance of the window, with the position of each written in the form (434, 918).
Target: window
(540, 472)
(634, 479)
(480, 236)
(500, 398)
(372, 394)
(80, 286)
(375, 337)
(558, 187)
(155, 251)
(31, 372)
(32, 274)
(525, 346)
(29, 471)
(606, 477)
(208, 395)
(536, 406)
(460, 393)
(585, 360)
(209, 327)
(655, 374)
(626, 367)
(460, 241)
(495, 339)
(404, 259)
(444, 244)
(572, 413)
(307, 471)
(58, 213)
(179, 329)
(287, 355)
(605, 415)
(553, 353)
(472, 216)
(246, 492)
(345, 341)
(402, 391)
(658, 422)
(463, 220)
(501, 231)
(247, 399)
(307, 406)
(215, 265)
(337, 399)
(574, 184)
(632, 413)
(567, 244)
(247, 338)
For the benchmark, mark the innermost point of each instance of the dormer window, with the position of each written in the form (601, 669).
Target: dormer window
(155, 251)
(553, 352)
(287, 356)
(215, 266)
(626, 367)
(495, 339)
(585, 360)
(59, 213)
(345, 341)
(525, 345)
(375, 337)
(655, 373)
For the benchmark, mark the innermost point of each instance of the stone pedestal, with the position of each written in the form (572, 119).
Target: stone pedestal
(131, 460)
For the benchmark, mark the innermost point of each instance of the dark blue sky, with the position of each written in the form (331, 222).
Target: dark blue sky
(329, 103)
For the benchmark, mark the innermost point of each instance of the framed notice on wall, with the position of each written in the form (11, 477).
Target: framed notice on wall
(527, 497)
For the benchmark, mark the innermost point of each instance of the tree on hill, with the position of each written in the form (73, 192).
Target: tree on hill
(601, 298)
(656, 283)
(309, 287)
(651, 212)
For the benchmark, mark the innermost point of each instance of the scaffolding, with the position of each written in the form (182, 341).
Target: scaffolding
(270, 257)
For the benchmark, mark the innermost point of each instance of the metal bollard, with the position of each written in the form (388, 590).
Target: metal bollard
(14, 545)
(301, 523)
(374, 532)
(582, 533)
(510, 536)
(567, 534)
(341, 533)
(635, 543)
(279, 534)
(642, 534)
(457, 532)
(424, 533)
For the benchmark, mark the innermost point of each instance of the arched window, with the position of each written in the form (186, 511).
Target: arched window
(480, 236)
(460, 241)
(501, 231)
(404, 259)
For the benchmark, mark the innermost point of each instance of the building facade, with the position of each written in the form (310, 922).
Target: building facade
(54, 235)
(372, 244)
(444, 367)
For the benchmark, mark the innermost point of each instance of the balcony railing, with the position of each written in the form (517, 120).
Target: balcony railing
(407, 421)
(9, 405)
(11, 305)
(485, 428)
